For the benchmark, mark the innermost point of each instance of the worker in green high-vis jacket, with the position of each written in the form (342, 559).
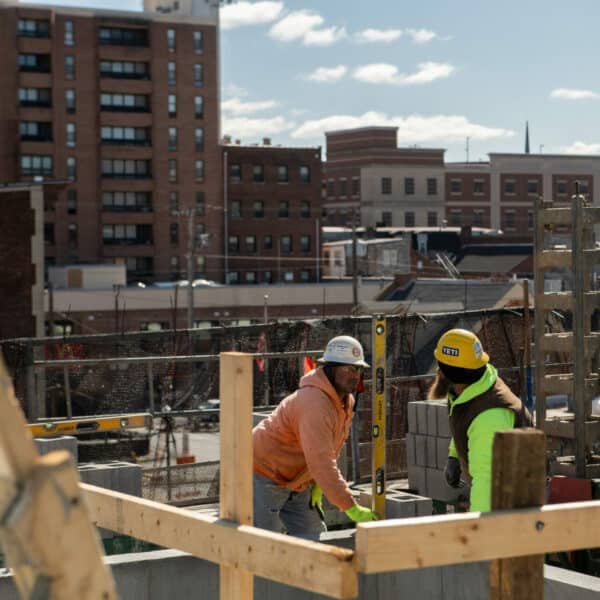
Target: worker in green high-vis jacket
(479, 405)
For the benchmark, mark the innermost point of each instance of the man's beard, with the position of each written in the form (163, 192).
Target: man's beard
(439, 388)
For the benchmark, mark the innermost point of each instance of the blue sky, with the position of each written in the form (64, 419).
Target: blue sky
(440, 71)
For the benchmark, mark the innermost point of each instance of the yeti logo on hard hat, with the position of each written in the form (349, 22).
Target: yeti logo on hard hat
(450, 351)
(355, 352)
(477, 348)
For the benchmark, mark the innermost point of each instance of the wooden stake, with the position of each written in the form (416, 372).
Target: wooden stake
(518, 481)
(235, 390)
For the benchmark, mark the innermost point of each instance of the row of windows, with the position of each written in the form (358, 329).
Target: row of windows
(172, 74)
(409, 219)
(250, 277)
(409, 186)
(127, 201)
(200, 236)
(258, 173)
(106, 35)
(72, 235)
(127, 234)
(342, 187)
(456, 186)
(258, 209)
(286, 245)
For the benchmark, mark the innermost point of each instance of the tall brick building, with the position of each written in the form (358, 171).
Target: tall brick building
(125, 106)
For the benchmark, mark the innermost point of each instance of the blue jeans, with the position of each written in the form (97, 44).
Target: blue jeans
(279, 509)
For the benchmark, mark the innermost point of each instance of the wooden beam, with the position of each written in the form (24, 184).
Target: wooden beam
(301, 563)
(235, 487)
(470, 537)
(518, 481)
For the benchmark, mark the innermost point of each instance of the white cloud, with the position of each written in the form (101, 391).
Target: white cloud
(388, 74)
(327, 74)
(295, 25)
(572, 94)
(581, 148)
(324, 37)
(231, 89)
(249, 13)
(369, 36)
(421, 36)
(244, 127)
(238, 107)
(413, 129)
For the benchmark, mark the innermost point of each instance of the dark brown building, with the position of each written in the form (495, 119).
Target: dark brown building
(273, 199)
(124, 105)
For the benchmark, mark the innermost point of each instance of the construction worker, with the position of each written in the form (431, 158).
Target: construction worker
(479, 405)
(296, 447)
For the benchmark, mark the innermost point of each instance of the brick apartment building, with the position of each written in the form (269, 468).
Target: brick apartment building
(273, 199)
(124, 106)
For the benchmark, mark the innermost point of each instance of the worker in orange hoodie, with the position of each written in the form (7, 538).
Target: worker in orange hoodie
(296, 447)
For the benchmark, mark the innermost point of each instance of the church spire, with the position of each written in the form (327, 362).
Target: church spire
(526, 137)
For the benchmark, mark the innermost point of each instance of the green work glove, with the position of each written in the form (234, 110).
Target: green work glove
(361, 514)
(316, 499)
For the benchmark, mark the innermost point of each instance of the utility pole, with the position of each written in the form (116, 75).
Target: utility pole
(191, 212)
(354, 263)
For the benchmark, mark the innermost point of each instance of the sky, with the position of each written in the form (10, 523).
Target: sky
(464, 75)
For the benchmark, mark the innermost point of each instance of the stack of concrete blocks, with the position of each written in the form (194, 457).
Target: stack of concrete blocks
(427, 444)
(63, 442)
(119, 476)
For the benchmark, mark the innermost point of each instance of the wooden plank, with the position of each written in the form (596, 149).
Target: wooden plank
(518, 481)
(470, 537)
(235, 481)
(557, 300)
(305, 564)
(565, 428)
(554, 259)
(555, 216)
(539, 317)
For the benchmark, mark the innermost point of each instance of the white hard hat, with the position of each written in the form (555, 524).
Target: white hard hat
(345, 350)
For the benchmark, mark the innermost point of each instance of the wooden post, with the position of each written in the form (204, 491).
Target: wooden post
(235, 487)
(518, 481)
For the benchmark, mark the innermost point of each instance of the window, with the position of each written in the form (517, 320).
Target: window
(355, 186)
(35, 131)
(532, 186)
(124, 69)
(35, 164)
(71, 202)
(35, 63)
(174, 203)
(234, 243)
(409, 186)
(198, 42)
(478, 218)
(331, 188)
(409, 219)
(72, 235)
(154, 325)
(343, 187)
(432, 219)
(268, 242)
(199, 170)
(258, 173)
(259, 209)
(172, 170)
(124, 102)
(48, 233)
(455, 217)
(304, 276)
(268, 276)
(455, 186)
(70, 131)
(282, 174)
(200, 234)
(198, 75)
(284, 209)
(233, 277)
(235, 172)
(174, 233)
(33, 28)
(432, 186)
(171, 40)
(128, 169)
(125, 135)
(510, 187)
(198, 107)
(71, 167)
(251, 244)
(250, 277)
(171, 73)
(386, 218)
(304, 174)
(584, 187)
(561, 187)
(386, 185)
(200, 265)
(35, 97)
(126, 234)
(174, 262)
(508, 219)
(236, 209)
(70, 100)
(199, 139)
(530, 220)
(69, 67)
(120, 36)
(126, 201)
(478, 186)
(285, 244)
(200, 206)
(305, 243)
(172, 105)
(172, 145)
(140, 265)
(69, 33)
(304, 209)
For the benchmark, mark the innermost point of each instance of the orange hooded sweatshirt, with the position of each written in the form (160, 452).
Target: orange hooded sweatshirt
(300, 441)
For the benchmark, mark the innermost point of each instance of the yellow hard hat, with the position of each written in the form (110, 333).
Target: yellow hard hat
(461, 348)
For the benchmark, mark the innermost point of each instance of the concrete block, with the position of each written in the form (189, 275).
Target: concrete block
(443, 426)
(442, 451)
(411, 457)
(412, 417)
(401, 505)
(438, 489)
(431, 451)
(421, 450)
(432, 411)
(63, 442)
(417, 480)
(421, 417)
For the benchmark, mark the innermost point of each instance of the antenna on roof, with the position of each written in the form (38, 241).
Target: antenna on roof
(467, 148)
(526, 137)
